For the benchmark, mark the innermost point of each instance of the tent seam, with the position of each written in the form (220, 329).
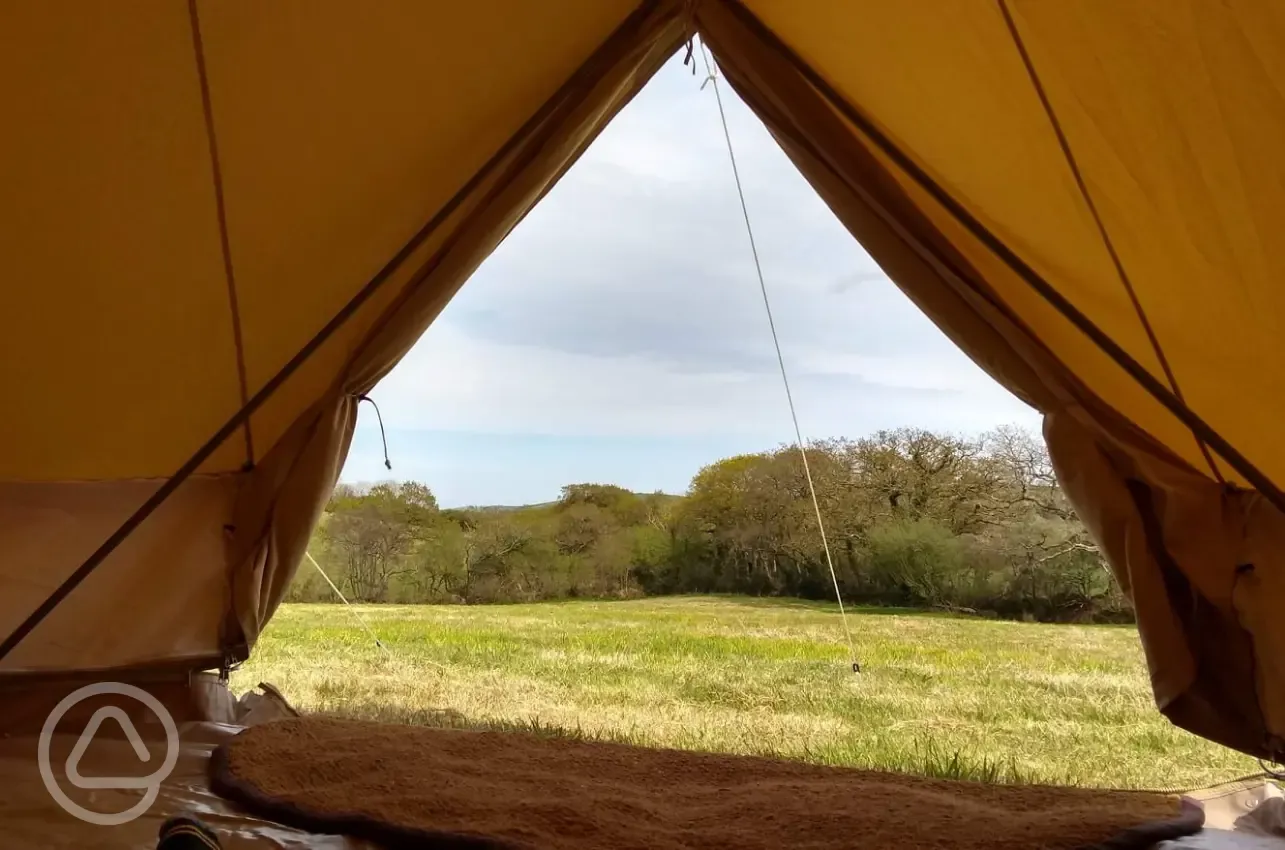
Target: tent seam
(553, 110)
(220, 205)
(242, 416)
(546, 109)
(1162, 394)
(1069, 393)
(1065, 145)
(236, 643)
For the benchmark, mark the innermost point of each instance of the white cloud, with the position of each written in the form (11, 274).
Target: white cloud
(626, 305)
(454, 382)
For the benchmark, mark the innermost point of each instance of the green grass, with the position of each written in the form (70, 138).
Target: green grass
(941, 695)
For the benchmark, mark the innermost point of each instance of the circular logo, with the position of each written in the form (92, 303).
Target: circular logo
(151, 784)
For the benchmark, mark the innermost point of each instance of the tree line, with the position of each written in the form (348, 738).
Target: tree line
(913, 518)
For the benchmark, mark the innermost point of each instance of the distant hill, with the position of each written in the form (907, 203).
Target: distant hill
(664, 497)
(502, 509)
(360, 487)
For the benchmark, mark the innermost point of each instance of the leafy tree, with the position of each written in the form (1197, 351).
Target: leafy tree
(912, 517)
(373, 532)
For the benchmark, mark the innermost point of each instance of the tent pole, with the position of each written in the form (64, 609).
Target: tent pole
(1261, 482)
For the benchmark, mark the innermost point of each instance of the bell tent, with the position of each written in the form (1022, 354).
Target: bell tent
(225, 221)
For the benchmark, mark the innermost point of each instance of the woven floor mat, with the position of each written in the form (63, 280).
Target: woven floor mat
(414, 786)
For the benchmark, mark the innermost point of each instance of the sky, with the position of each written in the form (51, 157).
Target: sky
(618, 335)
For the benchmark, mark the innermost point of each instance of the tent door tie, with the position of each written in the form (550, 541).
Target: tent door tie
(382, 436)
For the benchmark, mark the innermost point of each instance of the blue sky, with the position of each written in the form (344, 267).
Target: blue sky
(618, 335)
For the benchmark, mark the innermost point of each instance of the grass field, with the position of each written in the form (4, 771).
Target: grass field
(941, 695)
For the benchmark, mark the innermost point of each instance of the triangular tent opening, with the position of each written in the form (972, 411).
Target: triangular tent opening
(227, 221)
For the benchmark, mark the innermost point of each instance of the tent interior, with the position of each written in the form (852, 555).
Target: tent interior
(226, 221)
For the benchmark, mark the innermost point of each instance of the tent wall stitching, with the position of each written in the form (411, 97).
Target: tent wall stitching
(1261, 482)
(220, 206)
(1071, 162)
(225, 245)
(346, 312)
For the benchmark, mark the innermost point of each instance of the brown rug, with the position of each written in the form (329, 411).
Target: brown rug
(414, 786)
